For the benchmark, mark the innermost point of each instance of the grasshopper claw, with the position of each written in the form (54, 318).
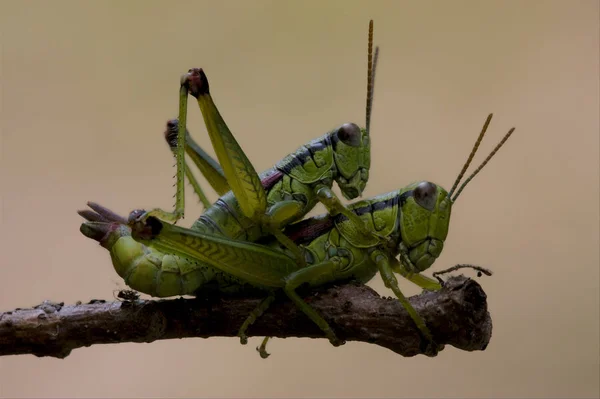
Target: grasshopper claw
(335, 341)
(262, 349)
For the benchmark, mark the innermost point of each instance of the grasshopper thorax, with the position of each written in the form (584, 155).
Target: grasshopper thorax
(351, 154)
(424, 218)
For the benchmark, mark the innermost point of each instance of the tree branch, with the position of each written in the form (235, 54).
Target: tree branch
(457, 315)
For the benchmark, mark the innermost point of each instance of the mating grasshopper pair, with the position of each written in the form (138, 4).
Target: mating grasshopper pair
(222, 247)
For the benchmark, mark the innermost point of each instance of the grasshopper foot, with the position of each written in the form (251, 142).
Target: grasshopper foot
(428, 345)
(262, 349)
(431, 348)
(334, 340)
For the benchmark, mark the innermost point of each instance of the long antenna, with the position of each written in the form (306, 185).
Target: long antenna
(371, 65)
(372, 94)
(494, 151)
(472, 154)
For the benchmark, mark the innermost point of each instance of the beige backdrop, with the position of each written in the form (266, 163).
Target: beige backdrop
(88, 86)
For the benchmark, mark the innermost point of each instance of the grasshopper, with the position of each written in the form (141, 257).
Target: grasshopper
(250, 206)
(253, 206)
(158, 258)
(291, 189)
(411, 222)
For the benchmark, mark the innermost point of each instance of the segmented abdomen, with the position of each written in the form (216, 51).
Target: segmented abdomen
(152, 272)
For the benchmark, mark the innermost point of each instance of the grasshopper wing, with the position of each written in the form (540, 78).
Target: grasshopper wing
(256, 264)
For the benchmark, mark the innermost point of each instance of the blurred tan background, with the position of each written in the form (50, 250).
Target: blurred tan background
(87, 88)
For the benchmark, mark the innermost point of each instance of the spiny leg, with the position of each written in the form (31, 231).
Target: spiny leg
(239, 171)
(171, 136)
(253, 316)
(179, 153)
(197, 188)
(208, 166)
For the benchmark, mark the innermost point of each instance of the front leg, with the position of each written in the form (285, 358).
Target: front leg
(385, 270)
(334, 206)
(422, 281)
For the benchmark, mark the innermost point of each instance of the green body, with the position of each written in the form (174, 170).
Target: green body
(165, 260)
(295, 181)
(161, 259)
(248, 241)
(258, 206)
(151, 268)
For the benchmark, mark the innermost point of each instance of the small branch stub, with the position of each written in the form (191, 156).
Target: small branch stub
(457, 315)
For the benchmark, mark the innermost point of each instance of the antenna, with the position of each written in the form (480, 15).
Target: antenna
(371, 67)
(494, 151)
(472, 154)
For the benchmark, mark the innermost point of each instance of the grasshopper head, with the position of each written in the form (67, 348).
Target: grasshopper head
(424, 219)
(351, 144)
(425, 210)
(352, 156)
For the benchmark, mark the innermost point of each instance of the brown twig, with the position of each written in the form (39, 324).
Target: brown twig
(457, 315)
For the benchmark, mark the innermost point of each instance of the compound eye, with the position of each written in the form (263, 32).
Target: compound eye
(425, 195)
(349, 134)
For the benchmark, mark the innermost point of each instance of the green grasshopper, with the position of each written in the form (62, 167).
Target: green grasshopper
(411, 222)
(262, 205)
(291, 189)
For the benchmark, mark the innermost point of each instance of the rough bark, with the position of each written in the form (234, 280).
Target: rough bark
(457, 315)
